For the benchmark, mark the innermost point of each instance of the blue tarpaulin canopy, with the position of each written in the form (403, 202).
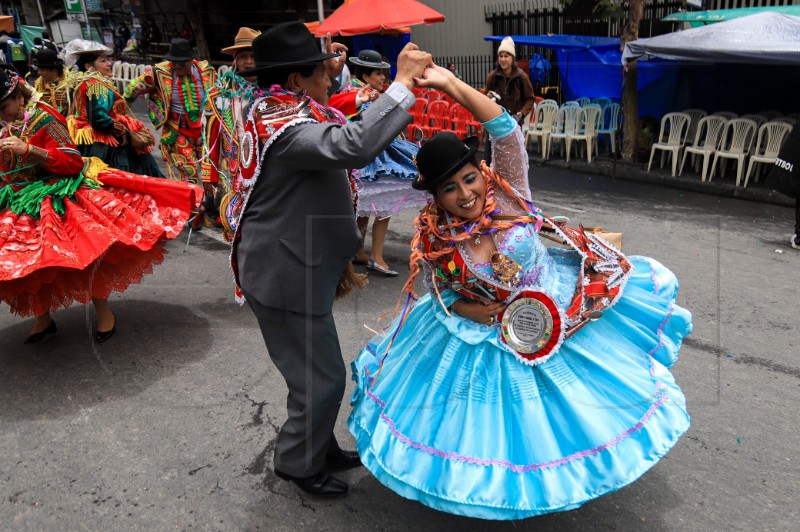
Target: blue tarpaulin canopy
(563, 42)
(590, 67)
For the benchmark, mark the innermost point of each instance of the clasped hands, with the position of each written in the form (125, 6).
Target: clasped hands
(416, 67)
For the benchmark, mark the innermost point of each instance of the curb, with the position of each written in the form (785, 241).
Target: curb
(631, 171)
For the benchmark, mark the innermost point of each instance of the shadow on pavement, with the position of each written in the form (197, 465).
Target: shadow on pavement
(67, 372)
(641, 505)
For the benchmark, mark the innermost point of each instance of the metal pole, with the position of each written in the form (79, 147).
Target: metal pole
(321, 16)
(525, 17)
(41, 14)
(86, 19)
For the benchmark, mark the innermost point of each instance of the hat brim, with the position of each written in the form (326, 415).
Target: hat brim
(422, 183)
(178, 59)
(232, 50)
(369, 64)
(313, 60)
(13, 77)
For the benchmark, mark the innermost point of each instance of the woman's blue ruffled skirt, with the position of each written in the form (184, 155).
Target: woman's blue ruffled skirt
(454, 421)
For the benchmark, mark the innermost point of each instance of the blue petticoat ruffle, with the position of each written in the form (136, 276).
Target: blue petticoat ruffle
(396, 160)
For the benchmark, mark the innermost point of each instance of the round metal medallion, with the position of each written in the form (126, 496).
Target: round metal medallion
(527, 325)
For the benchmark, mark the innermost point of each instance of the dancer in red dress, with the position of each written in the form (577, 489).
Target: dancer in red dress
(71, 228)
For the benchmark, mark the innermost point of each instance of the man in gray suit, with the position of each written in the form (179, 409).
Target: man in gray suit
(298, 233)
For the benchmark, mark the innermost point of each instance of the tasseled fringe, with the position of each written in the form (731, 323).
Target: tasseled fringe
(83, 134)
(349, 281)
(28, 200)
(92, 166)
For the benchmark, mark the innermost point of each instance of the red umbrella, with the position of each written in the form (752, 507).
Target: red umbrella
(372, 16)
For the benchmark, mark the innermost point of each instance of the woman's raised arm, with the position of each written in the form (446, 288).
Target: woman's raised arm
(440, 78)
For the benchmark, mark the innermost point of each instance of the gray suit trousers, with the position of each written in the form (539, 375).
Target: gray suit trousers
(306, 350)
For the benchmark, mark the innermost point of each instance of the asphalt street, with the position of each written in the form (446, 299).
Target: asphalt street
(171, 424)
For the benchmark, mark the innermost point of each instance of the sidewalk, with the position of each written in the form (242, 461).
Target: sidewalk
(633, 171)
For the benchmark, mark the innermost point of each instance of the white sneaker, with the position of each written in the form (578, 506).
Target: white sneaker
(795, 242)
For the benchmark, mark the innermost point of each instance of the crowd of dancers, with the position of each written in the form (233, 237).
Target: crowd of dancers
(527, 379)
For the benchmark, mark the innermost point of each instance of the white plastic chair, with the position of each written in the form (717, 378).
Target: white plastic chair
(770, 114)
(729, 115)
(671, 139)
(566, 124)
(545, 116)
(611, 124)
(588, 119)
(602, 102)
(696, 115)
(785, 119)
(583, 102)
(758, 118)
(116, 75)
(706, 141)
(128, 73)
(770, 139)
(735, 144)
(571, 103)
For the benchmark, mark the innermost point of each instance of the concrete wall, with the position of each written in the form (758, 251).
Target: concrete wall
(462, 31)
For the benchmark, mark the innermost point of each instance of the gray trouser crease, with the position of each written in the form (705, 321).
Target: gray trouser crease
(306, 351)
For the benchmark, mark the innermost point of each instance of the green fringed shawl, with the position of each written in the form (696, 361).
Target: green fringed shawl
(28, 199)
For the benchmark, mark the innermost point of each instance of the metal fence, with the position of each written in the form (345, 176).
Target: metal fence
(579, 18)
(475, 68)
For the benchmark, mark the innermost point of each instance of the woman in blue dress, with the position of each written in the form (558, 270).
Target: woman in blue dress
(384, 185)
(566, 398)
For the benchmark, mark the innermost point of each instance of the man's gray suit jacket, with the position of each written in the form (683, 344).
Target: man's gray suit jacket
(298, 231)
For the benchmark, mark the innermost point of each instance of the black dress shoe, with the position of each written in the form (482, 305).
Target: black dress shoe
(341, 460)
(102, 336)
(39, 336)
(322, 484)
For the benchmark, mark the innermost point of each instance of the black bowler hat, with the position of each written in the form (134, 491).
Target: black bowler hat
(441, 157)
(369, 59)
(9, 79)
(47, 59)
(180, 51)
(288, 44)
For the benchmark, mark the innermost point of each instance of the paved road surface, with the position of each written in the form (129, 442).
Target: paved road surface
(171, 424)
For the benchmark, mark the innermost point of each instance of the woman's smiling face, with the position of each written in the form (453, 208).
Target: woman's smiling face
(464, 193)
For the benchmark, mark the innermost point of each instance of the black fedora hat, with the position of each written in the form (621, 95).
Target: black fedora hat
(369, 59)
(180, 51)
(47, 59)
(441, 157)
(288, 44)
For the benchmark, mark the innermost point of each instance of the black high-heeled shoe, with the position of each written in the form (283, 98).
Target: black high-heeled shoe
(102, 336)
(39, 336)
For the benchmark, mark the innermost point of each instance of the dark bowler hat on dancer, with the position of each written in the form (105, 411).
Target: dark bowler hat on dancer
(180, 51)
(369, 59)
(441, 157)
(47, 59)
(294, 241)
(289, 44)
